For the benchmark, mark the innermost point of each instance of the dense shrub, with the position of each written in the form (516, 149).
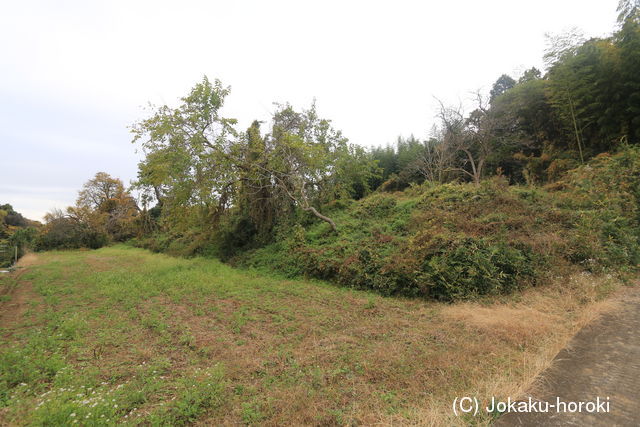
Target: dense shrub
(195, 242)
(239, 234)
(476, 267)
(65, 233)
(377, 205)
(461, 241)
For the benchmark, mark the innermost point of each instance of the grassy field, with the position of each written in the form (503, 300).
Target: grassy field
(121, 335)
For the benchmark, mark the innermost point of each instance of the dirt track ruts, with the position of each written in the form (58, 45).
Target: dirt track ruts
(11, 312)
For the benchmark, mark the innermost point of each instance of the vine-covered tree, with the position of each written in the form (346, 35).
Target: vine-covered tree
(199, 168)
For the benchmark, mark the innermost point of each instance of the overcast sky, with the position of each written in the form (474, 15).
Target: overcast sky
(75, 74)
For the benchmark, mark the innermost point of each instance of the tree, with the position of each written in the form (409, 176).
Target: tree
(563, 45)
(201, 170)
(454, 138)
(23, 238)
(255, 198)
(106, 206)
(627, 40)
(564, 83)
(387, 160)
(628, 10)
(473, 137)
(303, 163)
(503, 84)
(99, 192)
(12, 217)
(191, 155)
(585, 86)
(530, 75)
(63, 231)
(436, 159)
(302, 156)
(3, 225)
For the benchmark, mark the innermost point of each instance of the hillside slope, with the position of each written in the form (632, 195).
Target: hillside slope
(460, 241)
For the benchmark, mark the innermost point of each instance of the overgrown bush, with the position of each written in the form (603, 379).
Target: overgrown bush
(472, 268)
(462, 241)
(377, 205)
(66, 233)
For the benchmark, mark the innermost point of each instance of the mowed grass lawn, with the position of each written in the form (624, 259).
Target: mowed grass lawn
(122, 335)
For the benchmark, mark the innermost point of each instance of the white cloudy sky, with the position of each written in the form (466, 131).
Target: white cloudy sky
(75, 74)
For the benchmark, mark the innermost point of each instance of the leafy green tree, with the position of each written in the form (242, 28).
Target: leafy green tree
(310, 162)
(585, 88)
(409, 161)
(527, 126)
(200, 169)
(190, 155)
(24, 239)
(530, 75)
(627, 39)
(255, 196)
(503, 84)
(387, 160)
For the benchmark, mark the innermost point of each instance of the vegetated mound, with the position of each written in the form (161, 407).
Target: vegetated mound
(460, 241)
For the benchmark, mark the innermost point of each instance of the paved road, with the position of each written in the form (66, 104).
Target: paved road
(602, 360)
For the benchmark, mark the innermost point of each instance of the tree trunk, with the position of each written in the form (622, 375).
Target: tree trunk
(575, 128)
(322, 217)
(476, 170)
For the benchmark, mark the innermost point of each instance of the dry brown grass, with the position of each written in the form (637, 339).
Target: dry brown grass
(532, 327)
(420, 354)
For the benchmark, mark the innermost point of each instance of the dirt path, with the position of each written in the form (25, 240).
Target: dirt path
(12, 311)
(602, 360)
